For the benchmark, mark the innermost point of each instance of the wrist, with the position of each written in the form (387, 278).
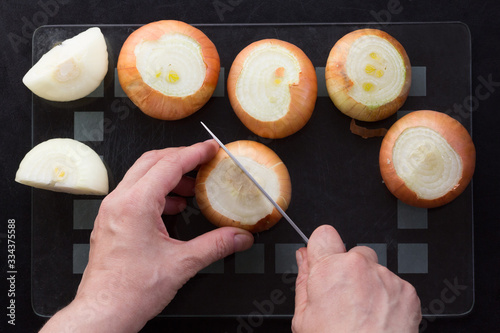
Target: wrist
(91, 315)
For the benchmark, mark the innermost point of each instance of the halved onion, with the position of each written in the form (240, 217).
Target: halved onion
(70, 70)
(272, 88)
(427, 159)
(368, 75)
(227, 197)
(64, 165)
(169, 69)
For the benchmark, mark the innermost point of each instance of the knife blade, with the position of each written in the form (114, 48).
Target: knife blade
(280, 210)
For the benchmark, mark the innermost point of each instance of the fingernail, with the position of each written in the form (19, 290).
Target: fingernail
(242, 242)
(298, 256)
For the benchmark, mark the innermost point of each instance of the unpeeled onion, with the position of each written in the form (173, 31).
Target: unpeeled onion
(427, 159)
(70, 70)
(272, 88)
(227, 197)
(368, 75)
(64, 165)
(169, 69)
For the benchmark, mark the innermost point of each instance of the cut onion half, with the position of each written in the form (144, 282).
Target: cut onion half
(169, 69)
(70, 70)
(227, 197)
(64, 165)
(427, 159)
(368, 75)
(272, 88)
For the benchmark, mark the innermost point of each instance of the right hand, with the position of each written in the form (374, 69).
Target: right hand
(339, 291)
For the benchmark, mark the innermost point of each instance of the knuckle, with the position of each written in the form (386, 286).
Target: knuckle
(94, 237)
(369, 252)
(150, 155)
(295, 325)
(222, 247)
(411, 293)
(190, 265)
(356, 259)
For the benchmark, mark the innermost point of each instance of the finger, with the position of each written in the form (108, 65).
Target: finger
(185, 187)
(174, 205)
(324, 241)
(142, 166)
(164, 176)
(366, 252)
(301, 281)
(206, 249)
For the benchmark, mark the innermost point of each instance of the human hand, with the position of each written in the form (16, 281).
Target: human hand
(135, 268)
(339, 291)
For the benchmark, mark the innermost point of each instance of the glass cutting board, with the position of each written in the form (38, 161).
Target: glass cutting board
(335, 177)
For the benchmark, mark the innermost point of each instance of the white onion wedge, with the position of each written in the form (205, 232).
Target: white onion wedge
(70, 70)
(64, 165)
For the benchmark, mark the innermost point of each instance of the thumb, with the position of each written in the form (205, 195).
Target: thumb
(324, 242)
(301, 282)
(215, 245)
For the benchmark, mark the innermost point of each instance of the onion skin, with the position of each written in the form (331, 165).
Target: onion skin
(263, 155)
(303, 95)
(151, 101)
(366, 133)
(452, 131)
(338, 83)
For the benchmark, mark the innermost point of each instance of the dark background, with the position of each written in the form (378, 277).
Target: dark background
(18, 19)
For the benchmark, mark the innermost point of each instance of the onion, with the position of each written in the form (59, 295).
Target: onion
(427, 159)
(169, 69)
(227, 197)
(64, 165)
(368, 75)
(70, 70)
(272, 88)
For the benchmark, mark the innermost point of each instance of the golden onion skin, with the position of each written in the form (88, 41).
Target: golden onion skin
(455, 135)
(303, 94)
(264, 156)
(151, 101)
(339, 84)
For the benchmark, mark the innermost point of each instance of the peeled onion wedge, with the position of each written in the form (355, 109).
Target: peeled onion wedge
(427, 159)
(70, 70)
(64, 165)
(368, 75)
(272, 88)
(227, 197)
(169, 69)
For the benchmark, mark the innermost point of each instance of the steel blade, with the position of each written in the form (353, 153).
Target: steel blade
(235, 160)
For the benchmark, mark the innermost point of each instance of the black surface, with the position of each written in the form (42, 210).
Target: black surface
(17, 24)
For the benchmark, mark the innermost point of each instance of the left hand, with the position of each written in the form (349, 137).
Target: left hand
(135, 268)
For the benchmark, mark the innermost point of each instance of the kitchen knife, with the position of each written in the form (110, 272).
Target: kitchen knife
(235, 160)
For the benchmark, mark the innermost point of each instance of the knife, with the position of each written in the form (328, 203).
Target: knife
(235, 160)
